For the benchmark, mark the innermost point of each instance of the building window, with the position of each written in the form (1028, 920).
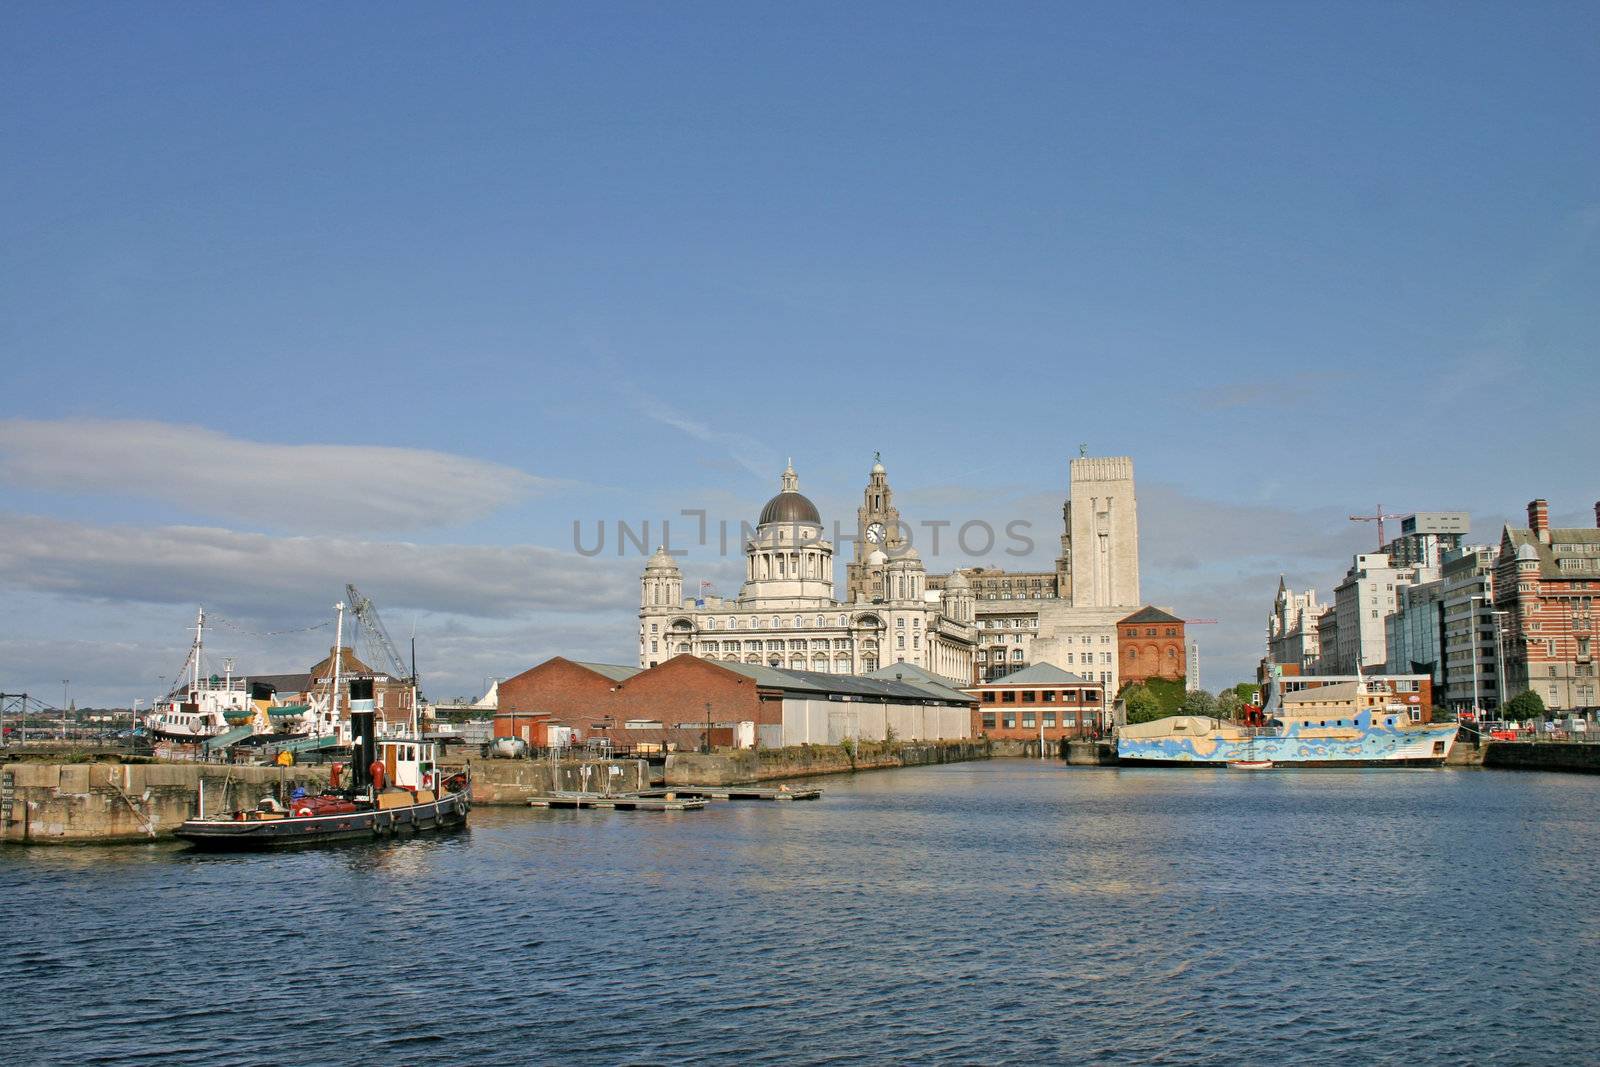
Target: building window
(1070, 718)
(988, 698)
(988, 720)
(1027, 720)
(1011, 720)
(1049, 718)
(1008, 697)
(1028, 696)
(1049, 696)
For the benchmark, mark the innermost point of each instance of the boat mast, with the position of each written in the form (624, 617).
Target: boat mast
(338, 648)
(194, 658)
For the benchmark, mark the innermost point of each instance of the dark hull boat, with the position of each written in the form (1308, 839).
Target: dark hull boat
(269, 829)
(396, 788)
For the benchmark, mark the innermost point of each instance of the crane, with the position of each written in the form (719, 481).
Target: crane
(377, 638)
(1378, 518)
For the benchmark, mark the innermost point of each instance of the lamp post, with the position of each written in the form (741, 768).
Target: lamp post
(1500, 656)
(1472, 623)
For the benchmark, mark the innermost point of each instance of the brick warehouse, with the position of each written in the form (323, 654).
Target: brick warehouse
(1150, 644)
(745, 704)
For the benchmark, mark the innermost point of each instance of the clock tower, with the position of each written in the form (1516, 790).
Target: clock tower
(878, 536)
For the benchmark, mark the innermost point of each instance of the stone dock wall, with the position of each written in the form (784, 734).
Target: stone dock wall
(51, 803)
(804, 761)
(511, 782)
(1543, 756)
(1076, 753)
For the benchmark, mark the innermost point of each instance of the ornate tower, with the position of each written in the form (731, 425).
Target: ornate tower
(662, 583)
(877, 531)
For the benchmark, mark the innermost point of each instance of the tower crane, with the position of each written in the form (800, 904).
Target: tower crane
(1378, 516)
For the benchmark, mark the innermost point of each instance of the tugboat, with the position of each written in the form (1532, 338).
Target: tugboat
(396, 787)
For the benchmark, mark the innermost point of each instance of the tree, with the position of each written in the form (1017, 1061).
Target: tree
(1142, 704)
(1228, 704)
(1526, 705)
(1199, 702)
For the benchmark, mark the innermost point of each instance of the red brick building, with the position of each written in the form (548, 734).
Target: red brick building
(1038, 699)
(1547, 581)
(1150, 644)
(745, 704)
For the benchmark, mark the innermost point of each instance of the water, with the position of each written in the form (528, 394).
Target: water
(1004, 911)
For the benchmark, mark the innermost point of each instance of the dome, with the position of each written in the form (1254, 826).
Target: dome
(876, 558)
(1526, 551)
(661, 561)
(958, 581)
(789, 507)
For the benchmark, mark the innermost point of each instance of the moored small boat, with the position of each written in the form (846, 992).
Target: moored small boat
(1250, 765)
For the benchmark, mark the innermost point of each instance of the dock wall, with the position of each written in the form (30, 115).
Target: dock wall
(803, 761)
(512, 781)
(1543, 756)
(52, 803)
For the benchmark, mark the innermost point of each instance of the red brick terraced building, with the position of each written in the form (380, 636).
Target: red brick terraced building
(1041, 700)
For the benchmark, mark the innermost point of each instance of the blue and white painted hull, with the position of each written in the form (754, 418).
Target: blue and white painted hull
(1297, 743)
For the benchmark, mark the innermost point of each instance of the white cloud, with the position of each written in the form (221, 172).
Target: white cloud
(311, 487)
(288, 577)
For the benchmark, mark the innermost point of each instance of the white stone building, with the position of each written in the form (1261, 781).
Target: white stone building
(1068, 617)
(785, 614)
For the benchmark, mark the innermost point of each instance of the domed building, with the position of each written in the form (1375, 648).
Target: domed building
(786, 614)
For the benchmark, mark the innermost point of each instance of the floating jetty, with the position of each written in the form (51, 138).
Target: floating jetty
(620, 803)
(691, 798)
(739, 792)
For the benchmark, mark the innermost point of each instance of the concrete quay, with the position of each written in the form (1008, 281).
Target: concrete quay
(803, 761)
(77, 803)
(514, 782)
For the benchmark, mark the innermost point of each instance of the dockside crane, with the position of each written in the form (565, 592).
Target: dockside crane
(371, 631)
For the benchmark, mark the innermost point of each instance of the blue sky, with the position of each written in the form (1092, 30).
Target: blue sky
(592, 263)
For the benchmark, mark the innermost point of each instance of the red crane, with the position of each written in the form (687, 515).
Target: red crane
(1377, 518)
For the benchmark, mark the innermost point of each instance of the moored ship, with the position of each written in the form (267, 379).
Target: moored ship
(1324, 728)
(396, 787)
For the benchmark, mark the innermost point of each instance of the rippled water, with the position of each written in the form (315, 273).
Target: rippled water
(1004, 911)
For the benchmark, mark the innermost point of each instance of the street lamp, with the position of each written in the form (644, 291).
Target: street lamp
(1472, 630)
(1500, 656)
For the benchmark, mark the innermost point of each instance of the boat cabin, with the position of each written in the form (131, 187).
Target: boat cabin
(408, 763)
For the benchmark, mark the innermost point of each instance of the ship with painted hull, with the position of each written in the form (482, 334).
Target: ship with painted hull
(396, 787)
(1350, 724)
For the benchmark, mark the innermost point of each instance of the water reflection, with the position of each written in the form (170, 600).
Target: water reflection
(973, 912)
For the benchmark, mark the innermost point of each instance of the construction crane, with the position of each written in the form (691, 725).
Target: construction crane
(375, 636)
(1378, 518)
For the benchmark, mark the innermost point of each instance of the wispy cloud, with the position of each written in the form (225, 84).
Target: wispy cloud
(1306, 385)
(746, 451)
(314, 487)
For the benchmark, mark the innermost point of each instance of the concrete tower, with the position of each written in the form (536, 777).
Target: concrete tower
(1103, 528)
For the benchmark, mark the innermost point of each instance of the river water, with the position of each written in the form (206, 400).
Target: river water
(1006, 911)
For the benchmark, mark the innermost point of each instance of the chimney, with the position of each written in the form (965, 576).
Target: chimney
(1539, 520)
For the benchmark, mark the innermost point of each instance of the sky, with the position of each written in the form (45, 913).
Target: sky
(293, 296)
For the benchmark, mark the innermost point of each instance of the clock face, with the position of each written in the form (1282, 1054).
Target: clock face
(876, 533)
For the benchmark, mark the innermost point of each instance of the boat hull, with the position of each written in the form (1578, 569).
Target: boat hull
(1371, 746)
(446, 813)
